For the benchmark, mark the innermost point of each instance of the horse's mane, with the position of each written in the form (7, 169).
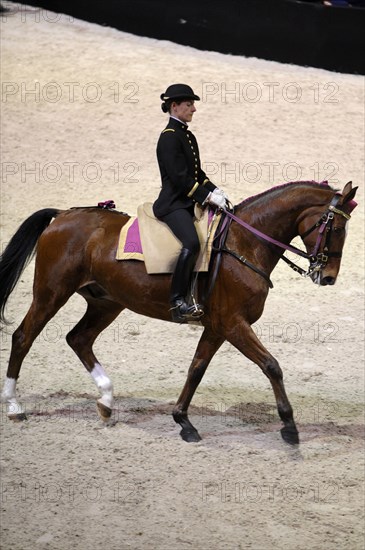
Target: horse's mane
(248, 200)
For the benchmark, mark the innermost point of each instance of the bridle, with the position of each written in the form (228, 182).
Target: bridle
(317, 259)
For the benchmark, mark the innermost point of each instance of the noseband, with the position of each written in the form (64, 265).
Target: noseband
(318, 260)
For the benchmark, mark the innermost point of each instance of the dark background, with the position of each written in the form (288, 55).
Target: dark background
(301, 32)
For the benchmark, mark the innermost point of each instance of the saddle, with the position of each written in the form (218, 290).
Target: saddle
(145, 238)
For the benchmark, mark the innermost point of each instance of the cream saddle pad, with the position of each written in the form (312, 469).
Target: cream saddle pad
(158, 248)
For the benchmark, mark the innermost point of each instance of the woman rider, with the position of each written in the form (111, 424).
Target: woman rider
(183, 184)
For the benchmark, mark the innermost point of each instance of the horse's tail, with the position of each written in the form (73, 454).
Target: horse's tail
(20, 251)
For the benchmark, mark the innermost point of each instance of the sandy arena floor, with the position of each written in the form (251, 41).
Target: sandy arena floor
(81, 117)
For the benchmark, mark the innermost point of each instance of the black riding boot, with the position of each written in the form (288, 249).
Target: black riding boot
(180, 310)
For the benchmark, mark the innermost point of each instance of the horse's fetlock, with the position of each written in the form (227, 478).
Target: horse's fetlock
(8, 392)
(178, 415)
(286, 413)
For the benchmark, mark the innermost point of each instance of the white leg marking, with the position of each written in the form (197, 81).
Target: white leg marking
(104, 385)
(8, 396)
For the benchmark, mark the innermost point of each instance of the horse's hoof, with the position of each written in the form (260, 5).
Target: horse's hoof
(20, 417)
(104, 411)
(190, 436)
(290, 435)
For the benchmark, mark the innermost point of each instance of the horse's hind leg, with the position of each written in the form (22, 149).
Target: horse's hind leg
(99, 314)
(208, 345)
(246, 341)
(44, 306)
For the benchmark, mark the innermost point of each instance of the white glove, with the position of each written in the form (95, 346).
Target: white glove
(216, 198)
(217, 190)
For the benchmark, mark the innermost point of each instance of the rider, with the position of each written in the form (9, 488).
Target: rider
(183, 184)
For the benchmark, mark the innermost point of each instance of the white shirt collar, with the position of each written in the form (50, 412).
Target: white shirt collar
(181, 122)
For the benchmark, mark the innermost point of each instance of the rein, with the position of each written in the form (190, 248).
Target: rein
(317, 260)
(266, 237)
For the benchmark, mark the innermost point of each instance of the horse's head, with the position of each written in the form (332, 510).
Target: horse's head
(324, 235)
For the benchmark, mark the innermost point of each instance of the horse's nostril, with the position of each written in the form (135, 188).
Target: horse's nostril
(328, 281)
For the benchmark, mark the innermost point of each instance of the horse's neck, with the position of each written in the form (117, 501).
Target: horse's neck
(277, 213)
(275, 221)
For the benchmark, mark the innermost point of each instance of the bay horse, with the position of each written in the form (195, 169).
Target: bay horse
(76, 253)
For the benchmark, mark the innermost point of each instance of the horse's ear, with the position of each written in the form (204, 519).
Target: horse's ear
(348, 192)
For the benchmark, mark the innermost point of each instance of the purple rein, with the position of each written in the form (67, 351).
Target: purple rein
(267, 238)
(327, 216)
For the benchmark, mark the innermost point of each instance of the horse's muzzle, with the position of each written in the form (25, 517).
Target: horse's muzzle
(318, 279)
(327, 281)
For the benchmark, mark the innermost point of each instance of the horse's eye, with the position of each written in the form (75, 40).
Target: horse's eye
(338, 229)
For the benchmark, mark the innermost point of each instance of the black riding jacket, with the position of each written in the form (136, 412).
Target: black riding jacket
(183, 180)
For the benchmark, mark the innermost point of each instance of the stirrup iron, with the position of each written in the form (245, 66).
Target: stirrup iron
(181, 312)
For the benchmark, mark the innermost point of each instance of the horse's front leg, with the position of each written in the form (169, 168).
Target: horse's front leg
(209, 344)
(245, 340)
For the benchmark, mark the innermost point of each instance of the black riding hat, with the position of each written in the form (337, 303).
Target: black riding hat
(179, 91)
